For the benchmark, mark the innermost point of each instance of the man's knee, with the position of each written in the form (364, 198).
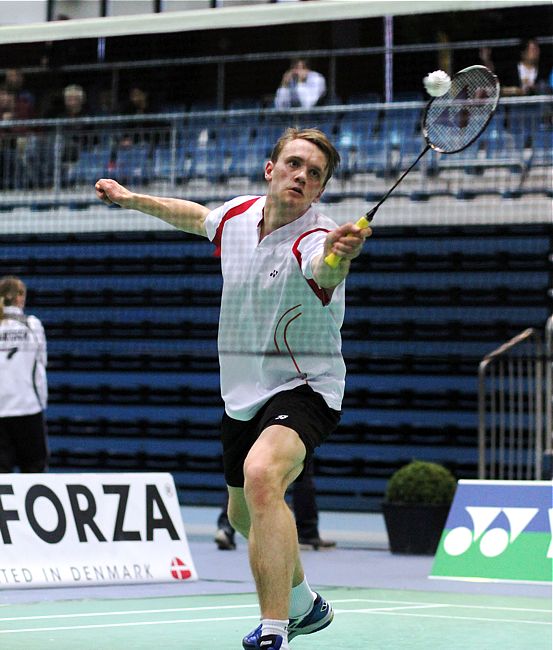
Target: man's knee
(240, 522)
(238, 515)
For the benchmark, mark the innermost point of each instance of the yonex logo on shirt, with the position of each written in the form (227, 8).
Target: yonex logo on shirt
(274, 273)
(281, 417)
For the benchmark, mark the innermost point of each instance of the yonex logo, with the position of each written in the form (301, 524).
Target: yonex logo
(281, 417)
(273, 273)
(492, 541)
(265, 643)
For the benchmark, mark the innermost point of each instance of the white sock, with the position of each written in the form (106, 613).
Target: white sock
(301, 600)
(272, 626)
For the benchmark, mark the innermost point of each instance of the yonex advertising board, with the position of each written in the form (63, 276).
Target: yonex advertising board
(91, 529)
(499, 531)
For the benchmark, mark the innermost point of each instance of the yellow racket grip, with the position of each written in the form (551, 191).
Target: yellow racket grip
(332, 259)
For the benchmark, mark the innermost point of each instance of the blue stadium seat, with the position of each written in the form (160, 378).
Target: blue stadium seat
(542, 147)
(133, 164)
(91, 165)
(210, 160)
(131, 323)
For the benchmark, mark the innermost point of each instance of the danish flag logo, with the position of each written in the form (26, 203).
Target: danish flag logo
(179, 570)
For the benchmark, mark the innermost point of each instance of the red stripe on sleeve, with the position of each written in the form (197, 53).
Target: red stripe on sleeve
(321, 293)
(233, 212)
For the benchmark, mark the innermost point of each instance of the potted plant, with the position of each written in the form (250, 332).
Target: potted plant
(416, 505)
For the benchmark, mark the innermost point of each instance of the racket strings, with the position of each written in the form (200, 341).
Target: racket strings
(455, 120)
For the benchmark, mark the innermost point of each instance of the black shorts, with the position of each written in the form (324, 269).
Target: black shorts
(307, 413)
(23, 443)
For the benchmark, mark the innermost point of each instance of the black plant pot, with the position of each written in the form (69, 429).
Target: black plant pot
(414, 529)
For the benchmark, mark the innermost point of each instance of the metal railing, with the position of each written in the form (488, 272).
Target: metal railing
(549, 391)
(377, 140)
(514, 407)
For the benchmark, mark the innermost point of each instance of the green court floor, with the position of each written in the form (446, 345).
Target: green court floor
(365, 619)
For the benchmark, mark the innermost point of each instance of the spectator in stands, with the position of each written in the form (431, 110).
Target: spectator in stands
(282, 371)
(138, 103)
(23, 387)
(15, 154)
(8, 139)
(76, 136)
(304, 503)
(134, 146)
(7, 104)
(73, 103)
(485, 56)
(300, 86)
(526, 77)
(24, 98)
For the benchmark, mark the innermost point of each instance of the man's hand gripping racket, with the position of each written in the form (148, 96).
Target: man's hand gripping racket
(451, 123)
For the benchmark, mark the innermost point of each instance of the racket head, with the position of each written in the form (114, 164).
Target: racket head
(455, 120)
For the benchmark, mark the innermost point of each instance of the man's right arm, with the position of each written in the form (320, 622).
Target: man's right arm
(184, 215)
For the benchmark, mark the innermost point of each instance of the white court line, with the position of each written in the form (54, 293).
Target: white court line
(135, 624)
(402, 603)
(388, 609)
(418, 602)
(454, 618)
(376, 611)
(157, 611)
(129, 612)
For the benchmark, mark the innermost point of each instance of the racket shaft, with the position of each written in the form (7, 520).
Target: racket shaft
(332, 259)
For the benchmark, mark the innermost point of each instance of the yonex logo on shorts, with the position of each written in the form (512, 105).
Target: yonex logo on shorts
(281, 417)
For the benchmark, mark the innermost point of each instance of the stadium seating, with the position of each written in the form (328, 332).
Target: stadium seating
(131, 320)
(375, 141)
(131, 317)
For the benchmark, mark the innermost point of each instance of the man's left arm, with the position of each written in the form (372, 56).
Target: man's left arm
(345, 241)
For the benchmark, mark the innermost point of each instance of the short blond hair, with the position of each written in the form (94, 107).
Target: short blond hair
(75, 90)
(315, 136)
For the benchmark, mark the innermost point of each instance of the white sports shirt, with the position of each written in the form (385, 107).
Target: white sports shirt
(305, 93)
(23, 387)
(277, 328)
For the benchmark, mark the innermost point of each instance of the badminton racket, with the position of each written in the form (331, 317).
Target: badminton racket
(450, 123)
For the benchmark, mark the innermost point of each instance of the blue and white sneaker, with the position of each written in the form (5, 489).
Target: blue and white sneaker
(319, 617)
(270, 642)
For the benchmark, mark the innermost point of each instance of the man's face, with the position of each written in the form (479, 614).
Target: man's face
(73, 102)
(14, 78)
(296, 179)
(300, 70)
(532, 53)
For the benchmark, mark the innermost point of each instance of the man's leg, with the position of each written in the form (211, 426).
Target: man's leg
(305, 505)
(224, 536)
(318, 613)
(271, 465)
(239, 517)
(273, 462)
(304, 500)
(7, 449)
(31, 443)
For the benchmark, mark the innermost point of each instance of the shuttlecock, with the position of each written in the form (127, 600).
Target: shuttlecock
(437, 83)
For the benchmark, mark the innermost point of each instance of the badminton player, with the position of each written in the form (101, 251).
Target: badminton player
(282, 371)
